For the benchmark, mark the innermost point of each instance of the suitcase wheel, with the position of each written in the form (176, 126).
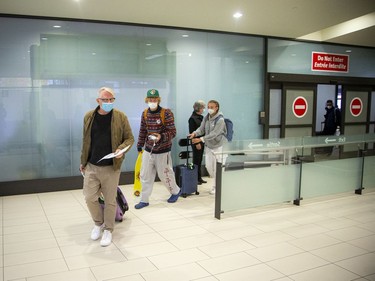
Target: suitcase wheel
(137, 193)
(197, 193)
(184, 195)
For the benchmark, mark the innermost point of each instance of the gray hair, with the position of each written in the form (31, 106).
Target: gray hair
(198, 105)
(106, 89)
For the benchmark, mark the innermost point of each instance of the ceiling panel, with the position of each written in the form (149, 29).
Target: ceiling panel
(279, 18)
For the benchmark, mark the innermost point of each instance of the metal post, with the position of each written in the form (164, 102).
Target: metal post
(361, 154)
(218, 178)
(298, 200)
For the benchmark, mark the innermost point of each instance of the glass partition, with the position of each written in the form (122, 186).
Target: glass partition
(264, 172)
(51, 71)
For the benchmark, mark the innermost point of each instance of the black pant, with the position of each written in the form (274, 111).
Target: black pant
(197, 159)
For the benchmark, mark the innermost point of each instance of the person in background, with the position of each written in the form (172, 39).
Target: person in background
(332, 119)
(212, 133)
(156, 133)
(195, 121)
(105, 130)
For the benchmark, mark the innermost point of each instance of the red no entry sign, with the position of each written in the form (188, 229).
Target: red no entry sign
(356, 106)
(300, 107)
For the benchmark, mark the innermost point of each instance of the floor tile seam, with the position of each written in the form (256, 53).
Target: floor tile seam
(360, 247)
(143, 244)
(341, 260)
(98, 252)
(253, 265)
(239, 252)
(36, 262)
(170, 267)
(241, 267)
(32, 250)
(181, 264)
(295, 273)
(294, 254)
(319, 248)
(175, 244)
(313, 225)
(175, 250)
(135, 235)
(38, 275)
(225, 241)
(321, 266)
(179, 229)
(347, 269)
(364, 228)
(54, 234)
(174, 228)
(359, 238)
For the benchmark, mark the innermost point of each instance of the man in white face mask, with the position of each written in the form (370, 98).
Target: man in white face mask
(212, 132)
(156, 133)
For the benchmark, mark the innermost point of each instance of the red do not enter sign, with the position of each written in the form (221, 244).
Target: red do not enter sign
(356, 106)
(300, 107)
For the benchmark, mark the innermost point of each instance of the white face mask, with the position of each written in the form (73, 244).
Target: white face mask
(211, 111)
(153, 105)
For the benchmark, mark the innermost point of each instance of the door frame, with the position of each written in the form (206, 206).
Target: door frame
(282, 80)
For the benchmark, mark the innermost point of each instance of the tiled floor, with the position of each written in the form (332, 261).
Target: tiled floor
(45, 237)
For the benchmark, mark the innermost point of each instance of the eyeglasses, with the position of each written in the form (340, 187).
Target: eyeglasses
(108, 100)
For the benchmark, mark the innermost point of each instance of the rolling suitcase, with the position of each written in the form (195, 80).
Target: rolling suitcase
(122, 205)
(187, 174)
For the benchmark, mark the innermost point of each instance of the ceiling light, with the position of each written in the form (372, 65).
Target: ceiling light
(237, 15)
(348, 51)
(57, 26)
(185, 35)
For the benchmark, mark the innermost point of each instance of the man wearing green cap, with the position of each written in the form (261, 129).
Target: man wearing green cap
(156, 133)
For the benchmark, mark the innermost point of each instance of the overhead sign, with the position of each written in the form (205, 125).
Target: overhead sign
(299, 107)
(329, 62)
(356, 106)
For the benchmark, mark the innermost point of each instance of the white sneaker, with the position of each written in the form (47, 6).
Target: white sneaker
(212, 192)
(106, 239)
(96, 232)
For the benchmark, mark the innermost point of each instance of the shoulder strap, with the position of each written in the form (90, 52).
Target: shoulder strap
(145, 114)
(220, 116)
(162, 114)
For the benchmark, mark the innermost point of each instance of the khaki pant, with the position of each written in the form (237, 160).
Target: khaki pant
(101, 180)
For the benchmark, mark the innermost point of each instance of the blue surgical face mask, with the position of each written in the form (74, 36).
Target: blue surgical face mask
(107, 106)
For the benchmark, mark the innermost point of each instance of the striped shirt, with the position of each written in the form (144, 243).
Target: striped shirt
(153, 124)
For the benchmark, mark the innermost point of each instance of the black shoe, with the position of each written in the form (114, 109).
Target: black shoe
(200, 181)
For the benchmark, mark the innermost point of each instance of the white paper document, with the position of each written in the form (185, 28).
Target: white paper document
(113, 155)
